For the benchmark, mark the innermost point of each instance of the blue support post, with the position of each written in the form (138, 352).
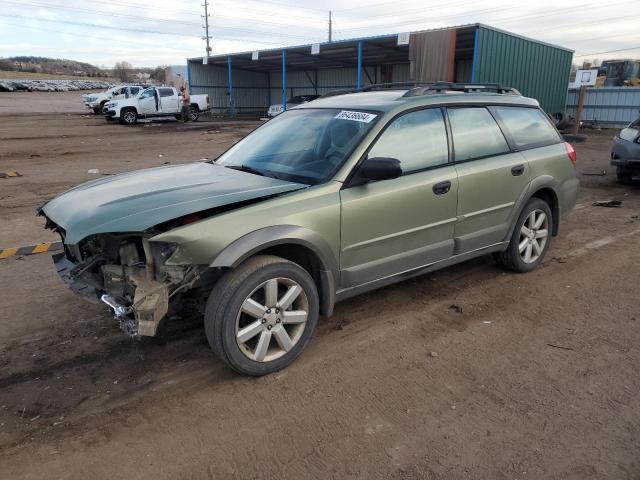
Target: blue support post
(475, 55)
(189, 76)
(359, 85)
(284, 80)
(232, 103)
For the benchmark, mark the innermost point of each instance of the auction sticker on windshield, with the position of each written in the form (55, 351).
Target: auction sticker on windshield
(356, 116)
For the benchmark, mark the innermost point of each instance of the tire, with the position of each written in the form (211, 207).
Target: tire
(514, 258)
(623, 176)
(560, 120)
(128, 116)
(249, 285)
(97, 110)
(194, 113)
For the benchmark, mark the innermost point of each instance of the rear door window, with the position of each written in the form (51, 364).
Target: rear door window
(475, 134)
(418, 139)
(527, 127)
(166, 92)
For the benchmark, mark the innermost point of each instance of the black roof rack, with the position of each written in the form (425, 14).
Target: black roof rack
(415, 89)
(378, 86)
(439, 87)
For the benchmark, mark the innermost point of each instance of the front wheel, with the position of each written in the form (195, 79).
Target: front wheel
(260, 316)
(531, 238)
(128, 117)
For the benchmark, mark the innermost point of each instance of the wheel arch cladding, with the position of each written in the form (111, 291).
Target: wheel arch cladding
(548, 195)
(296, 244)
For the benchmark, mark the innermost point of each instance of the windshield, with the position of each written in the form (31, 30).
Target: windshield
(306, 146)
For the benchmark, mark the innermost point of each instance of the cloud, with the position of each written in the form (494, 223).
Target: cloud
(97, 32)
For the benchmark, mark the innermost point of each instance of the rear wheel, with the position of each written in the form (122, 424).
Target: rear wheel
(194, 113)
(530, 239)
(128, 116)
(260, 316)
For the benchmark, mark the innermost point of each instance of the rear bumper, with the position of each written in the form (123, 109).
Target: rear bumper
(625, 154)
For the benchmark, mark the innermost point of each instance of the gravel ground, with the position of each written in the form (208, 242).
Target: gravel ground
(468, 372)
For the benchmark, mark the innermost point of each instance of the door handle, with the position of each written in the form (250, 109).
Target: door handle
(517, 170)
(442, 187)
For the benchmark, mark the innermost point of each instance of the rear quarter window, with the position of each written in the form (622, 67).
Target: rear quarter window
(526, 127)
(475, 134)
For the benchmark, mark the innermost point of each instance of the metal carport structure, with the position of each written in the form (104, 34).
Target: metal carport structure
(251, 81)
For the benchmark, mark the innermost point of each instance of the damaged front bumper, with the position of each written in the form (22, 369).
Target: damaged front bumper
(138, 300)
(150, 305)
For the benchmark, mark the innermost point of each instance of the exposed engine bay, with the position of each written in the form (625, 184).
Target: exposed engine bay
(129, 274)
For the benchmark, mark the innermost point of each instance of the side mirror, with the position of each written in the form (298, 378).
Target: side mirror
(377, 168)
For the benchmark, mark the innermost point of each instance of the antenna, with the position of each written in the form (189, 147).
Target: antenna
(330, 26)
(206, 16)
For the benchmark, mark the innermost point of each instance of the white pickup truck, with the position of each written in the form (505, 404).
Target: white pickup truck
(97, 101)
(154, 102)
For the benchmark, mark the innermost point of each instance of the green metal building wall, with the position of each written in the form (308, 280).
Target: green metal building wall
(536, 69)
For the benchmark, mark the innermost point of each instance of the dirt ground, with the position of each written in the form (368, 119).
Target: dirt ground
(469, 372)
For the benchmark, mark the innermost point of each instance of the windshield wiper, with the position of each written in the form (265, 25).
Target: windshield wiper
(248, 169)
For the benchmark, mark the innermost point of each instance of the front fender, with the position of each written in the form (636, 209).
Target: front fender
(246, 246)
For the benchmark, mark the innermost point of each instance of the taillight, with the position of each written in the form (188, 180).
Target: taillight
(571, 153)
(208, 100)
(187, 219)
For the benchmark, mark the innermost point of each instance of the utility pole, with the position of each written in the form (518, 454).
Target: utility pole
(206, 15)
(330, 26)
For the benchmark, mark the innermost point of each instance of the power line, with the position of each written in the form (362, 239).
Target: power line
(128, 42)
(365, 6)
(489, 10)
(609, 51)
(102, 13)
(578, 25)
(262, 13)
(97, 25)
(160, 32)
(92, 37)
(163, 20)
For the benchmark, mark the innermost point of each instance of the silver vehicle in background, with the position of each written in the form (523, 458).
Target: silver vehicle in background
(277, 108)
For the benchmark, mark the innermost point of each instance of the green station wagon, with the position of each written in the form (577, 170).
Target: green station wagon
(336, 197)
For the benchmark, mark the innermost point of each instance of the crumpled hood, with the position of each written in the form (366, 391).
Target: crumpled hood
(136, 201)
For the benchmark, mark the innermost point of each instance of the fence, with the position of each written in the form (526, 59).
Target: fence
(610, 106)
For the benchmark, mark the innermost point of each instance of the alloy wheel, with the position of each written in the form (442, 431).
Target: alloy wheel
(272, 319)
(129, 117)
(533, 236)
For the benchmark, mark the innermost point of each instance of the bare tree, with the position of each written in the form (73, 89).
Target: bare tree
(122, 70)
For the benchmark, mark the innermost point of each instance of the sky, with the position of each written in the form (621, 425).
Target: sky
(165, 32)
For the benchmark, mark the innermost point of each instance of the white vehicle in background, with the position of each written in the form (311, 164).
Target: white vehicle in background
(154, 102)
(276, 109)
(97, 101)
